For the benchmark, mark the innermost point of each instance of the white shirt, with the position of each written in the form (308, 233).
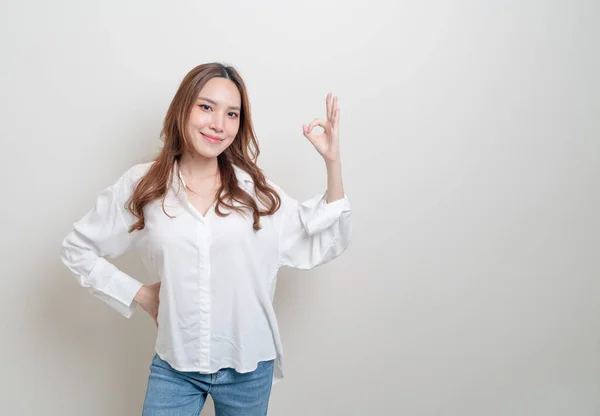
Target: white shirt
(217, 274)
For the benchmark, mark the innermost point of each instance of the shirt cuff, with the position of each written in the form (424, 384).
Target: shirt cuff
(119, 288)
(124, 288)
(317, 215)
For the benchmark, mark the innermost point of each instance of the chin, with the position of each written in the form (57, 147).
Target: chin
(209, 152)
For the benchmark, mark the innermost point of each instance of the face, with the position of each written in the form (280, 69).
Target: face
(215, 118)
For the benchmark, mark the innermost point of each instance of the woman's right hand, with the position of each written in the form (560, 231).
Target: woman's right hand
(147, 298)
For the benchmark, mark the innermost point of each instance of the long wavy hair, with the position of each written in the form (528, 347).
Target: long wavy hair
(243, 152)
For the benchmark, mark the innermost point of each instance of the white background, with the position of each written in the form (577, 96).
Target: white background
(470, 147)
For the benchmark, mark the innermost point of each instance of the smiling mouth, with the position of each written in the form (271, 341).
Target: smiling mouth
(212, 139)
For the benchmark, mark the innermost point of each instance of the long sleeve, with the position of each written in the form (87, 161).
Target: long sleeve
(102, 232)
(313, 232)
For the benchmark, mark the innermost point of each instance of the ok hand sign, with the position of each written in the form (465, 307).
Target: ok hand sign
(327, 142)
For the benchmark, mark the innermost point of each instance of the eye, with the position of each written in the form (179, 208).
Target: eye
(234, 115)
(205, 107)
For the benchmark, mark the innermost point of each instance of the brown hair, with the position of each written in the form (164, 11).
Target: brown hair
(242, 152)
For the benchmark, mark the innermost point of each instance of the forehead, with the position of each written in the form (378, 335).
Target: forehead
(221, 90)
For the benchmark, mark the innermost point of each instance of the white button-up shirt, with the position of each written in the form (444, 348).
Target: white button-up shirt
(217, 274)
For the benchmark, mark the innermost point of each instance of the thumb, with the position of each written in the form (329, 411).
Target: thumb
(306, 130)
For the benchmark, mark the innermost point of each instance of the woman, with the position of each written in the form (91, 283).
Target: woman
(204, 218)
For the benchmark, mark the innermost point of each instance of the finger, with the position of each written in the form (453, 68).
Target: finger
(334, 109)
(337, 119)
(305, 131)
(316, 122)
(328, 105)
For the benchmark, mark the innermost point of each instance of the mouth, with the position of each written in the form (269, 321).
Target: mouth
(212, 139)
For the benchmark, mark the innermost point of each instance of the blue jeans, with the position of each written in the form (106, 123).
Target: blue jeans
(183, 393)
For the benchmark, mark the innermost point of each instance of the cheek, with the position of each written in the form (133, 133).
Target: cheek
(198, 119)
(232, 127)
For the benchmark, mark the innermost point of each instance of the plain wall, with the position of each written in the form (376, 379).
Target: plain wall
(470, 148)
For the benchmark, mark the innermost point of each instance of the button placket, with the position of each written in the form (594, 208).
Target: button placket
(203, 241)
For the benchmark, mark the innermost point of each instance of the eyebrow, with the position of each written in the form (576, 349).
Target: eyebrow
(215, 103)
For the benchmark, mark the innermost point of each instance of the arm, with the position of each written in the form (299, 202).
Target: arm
(102, 234)
(318, 230)
(328, 146)
(313, 232)
(335, 187)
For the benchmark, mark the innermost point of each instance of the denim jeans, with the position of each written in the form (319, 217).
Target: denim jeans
(183, 393)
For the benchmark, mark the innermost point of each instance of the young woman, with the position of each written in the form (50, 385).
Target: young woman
(204, 218)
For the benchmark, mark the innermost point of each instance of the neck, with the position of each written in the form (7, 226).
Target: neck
(198, 167)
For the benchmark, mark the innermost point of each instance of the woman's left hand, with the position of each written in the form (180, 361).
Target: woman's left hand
(326, 142)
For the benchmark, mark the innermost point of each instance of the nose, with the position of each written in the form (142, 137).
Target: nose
(217, 123)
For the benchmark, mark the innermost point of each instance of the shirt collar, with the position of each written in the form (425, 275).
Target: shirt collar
(240, 174)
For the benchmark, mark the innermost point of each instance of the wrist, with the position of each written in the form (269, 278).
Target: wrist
(333, 163)
(141, 294)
